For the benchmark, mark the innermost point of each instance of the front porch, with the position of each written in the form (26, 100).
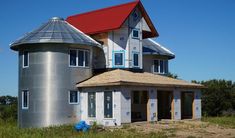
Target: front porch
(137, 103)
(119, 96)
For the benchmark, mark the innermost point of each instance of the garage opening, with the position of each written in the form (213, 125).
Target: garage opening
(139, 102)
(187, 105)
(165, 104)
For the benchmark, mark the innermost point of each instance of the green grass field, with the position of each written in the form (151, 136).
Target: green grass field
(10, 130)
(224, 121)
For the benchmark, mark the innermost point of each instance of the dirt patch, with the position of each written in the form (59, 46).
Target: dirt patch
(184, 129)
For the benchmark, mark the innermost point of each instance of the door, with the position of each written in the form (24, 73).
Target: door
(187, 105)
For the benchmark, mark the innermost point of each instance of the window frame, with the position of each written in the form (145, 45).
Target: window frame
(22, 100)
(111, 105)
(23, 62)
(77, 58)
(159, 66)
(132, 33)
(123, 59)
(133, 61)
(78, 96)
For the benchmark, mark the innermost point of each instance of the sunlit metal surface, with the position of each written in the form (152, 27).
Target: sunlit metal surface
(48, 80)
(56, 30)
(49, 77)
(150, 47)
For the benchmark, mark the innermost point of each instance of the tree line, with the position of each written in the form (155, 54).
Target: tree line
(8, 107)
(218, 98)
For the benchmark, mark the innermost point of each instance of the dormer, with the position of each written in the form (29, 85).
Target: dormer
(121, 30)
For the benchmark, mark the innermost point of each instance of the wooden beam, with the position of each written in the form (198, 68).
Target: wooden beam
(172, 105)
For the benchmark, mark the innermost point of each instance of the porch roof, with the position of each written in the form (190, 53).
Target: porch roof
(123, 77)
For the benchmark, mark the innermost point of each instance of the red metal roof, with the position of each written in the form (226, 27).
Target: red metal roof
(107, 19)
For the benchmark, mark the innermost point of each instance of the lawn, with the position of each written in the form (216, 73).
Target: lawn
(228, 122)
(208, 127)
(10, 130)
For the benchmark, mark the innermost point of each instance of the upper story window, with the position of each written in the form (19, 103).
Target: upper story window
(136, 33)
(78, 58)
(160, 66)
(136, 60)
(25, 59)
(73, 97)
(25, 99)
(118, 59)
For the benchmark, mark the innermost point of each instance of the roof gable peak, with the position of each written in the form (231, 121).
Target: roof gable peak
(107, 8)
(110, 18)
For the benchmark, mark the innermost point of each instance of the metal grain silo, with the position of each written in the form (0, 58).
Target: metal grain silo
(45, 74)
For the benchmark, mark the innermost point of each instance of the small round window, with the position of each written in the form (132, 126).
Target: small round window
(135, 16)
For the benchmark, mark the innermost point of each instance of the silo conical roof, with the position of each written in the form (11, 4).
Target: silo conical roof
(56, 30)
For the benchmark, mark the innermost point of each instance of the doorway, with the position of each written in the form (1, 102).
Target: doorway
(139, 102)
(165, 101)
(187, 99)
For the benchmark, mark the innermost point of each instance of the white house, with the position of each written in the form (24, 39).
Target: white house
(101, 66)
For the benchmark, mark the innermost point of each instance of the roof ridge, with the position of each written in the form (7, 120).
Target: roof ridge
(106, 8)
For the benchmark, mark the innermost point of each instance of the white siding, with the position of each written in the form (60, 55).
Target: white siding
(84, 102)
(117, 107)
(121, 40)
(197, 104)
(126, 106)
(99, 107)
(177, 104)
(153, 105)
(116, 120)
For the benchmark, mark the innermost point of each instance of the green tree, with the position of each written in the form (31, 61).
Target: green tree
(218, 97)
(8, 107)
(171, 75)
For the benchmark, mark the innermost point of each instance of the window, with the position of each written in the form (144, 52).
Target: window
(160, 66)
(73, 97)
(91, 104)
(136, 60)
(25, 99)
(135, 16)
(118, 59)
(156, 66)
(78, 58)
(86, 58)
(25, 59)
(135, 33)
(73, 57)
(108, 104)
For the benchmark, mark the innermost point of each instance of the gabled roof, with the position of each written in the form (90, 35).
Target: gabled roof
(123, 77)
(56, 30)
(150, 47)
(111, 18)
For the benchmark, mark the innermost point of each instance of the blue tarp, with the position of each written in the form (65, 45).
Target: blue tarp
(82, 126)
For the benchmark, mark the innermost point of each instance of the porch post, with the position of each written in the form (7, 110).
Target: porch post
(152, 105)
(176, 112)
(197, 105)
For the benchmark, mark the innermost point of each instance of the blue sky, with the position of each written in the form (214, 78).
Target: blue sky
(200, 32)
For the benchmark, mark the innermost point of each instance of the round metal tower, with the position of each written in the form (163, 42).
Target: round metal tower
(45, 74)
